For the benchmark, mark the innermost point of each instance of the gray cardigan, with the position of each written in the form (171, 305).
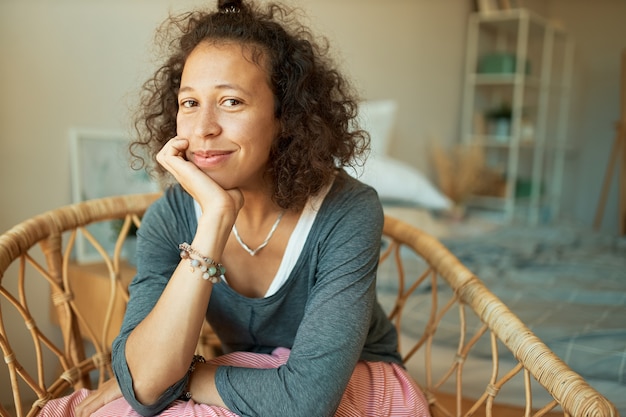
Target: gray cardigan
(326, 312)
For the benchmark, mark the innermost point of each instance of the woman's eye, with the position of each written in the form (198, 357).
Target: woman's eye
(231, 102)
(189, 103)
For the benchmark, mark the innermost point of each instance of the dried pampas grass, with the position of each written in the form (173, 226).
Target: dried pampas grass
(461, 171)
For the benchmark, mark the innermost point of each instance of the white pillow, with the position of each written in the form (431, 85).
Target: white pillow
(396, 181)
(378, 118)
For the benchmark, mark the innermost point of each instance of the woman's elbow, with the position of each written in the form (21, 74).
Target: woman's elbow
(147, 392)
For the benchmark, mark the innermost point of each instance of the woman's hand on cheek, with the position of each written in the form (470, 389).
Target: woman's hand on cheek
(197, 183)
(172, 158)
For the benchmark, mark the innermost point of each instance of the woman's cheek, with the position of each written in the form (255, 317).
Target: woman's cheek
(183, 125)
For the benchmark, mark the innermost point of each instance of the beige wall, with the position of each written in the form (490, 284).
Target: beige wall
(600, 33)
(73, 63)
(411, 51)
(77, 63)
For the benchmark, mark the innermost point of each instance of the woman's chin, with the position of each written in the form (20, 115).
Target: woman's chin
(224, 181)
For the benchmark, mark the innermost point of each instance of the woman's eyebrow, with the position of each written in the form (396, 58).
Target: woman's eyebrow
(225, 86)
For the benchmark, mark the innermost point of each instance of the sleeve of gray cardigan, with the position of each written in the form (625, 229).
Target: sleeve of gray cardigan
(157, 257)
(332, 333)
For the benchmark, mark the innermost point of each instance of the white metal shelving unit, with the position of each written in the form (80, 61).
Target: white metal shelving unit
(536, 89)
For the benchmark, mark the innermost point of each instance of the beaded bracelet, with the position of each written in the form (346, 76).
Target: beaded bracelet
(186, 395)
(211, 270)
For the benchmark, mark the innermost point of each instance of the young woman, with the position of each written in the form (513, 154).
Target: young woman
(262, 233)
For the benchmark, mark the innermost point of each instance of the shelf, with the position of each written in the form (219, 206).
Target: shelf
(504, 79)
(500, 141)
(508, 21)
(495, 202)
(488, 202)
(515, 59)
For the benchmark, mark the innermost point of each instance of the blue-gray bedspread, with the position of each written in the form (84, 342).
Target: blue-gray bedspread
(568, 284)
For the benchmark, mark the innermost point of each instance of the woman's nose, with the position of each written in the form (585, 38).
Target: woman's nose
(207, 124)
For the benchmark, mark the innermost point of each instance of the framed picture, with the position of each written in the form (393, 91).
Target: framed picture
(100, 167)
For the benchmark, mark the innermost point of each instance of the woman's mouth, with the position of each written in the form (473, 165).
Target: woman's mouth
(210, 159)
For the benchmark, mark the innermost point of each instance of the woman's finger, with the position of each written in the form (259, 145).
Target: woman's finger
(107, 392)
(172, 152)
(193, 179)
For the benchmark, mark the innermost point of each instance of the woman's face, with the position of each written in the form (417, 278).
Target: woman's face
(226, 112)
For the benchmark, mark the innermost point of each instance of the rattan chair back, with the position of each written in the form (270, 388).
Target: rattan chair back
(44, 361)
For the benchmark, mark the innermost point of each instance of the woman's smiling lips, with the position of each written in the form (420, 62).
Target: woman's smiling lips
(210, 159)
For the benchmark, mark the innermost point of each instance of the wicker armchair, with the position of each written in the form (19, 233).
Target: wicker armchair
(36, 267)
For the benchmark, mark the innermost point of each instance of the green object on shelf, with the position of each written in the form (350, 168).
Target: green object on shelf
(503, 111)
(524, 187)
(500, 63)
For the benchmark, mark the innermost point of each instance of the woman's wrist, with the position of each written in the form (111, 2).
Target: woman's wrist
(197, 359)
(211, 235)
(202, 387)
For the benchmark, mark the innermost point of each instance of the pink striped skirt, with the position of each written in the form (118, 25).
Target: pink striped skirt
(375, 389)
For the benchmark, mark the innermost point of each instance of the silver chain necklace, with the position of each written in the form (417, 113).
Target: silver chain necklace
(265, 242)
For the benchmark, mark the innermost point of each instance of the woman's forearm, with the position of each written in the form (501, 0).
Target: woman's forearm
(159, 350)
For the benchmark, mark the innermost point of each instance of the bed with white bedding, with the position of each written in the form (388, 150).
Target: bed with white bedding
(566, 283)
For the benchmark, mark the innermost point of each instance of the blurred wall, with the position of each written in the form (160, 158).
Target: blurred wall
(77, 63)
(600, 34)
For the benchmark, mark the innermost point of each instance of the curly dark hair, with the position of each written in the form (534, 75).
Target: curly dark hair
(316, 106)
